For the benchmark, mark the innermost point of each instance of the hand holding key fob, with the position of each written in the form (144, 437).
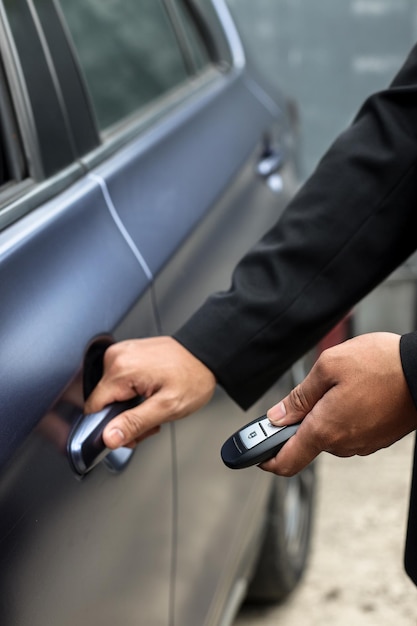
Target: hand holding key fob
(255, 443)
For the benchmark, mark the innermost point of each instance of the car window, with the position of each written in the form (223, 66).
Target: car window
(128, 52)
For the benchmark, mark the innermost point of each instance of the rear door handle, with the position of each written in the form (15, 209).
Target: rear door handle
(85, 446)
(270, 163)
(268, 168)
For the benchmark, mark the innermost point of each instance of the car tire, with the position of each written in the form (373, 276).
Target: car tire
(284, 552)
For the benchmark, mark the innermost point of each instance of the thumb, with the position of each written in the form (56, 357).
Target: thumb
(301, 400)
(133, 425)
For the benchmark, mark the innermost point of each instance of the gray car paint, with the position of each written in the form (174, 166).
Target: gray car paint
(103, 550)
(56, 266)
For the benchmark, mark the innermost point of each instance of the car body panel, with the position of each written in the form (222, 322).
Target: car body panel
(81, 551)
(215, 523)
(168, 190)
(125, 242)
(173, 176)
(48, 510)
(36, 254)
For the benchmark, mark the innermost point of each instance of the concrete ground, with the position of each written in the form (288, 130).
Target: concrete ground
(355, 575)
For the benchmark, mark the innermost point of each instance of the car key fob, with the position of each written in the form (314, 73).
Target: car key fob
(255, 443)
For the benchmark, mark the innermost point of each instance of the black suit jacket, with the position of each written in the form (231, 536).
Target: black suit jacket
(351, 224)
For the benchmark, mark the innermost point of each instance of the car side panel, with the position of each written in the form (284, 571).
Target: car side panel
(221, 513)
(91, 552)
(164, 184)
(98, 550)
(60, 288)
(191, 200)
(101, 550)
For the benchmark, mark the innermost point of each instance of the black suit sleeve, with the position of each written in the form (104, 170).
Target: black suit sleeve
(351, 224)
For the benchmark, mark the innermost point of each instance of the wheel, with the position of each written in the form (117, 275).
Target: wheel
(286, 545)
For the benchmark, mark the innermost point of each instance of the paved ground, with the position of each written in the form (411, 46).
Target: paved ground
(355, 574)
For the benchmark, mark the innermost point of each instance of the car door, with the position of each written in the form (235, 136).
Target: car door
(186, 145)
(241, 180)
(193, 191)
(96, 550)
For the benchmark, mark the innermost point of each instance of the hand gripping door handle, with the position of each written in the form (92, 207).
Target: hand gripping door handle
(85, 446)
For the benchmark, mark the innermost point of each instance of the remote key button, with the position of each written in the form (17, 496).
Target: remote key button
(252, 435)
(269, 428)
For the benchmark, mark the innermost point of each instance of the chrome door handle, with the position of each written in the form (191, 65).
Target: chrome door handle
(270, 163)
(268, 168)
(85, 446)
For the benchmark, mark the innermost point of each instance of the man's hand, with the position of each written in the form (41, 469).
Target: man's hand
(355, 400)
(173, 382)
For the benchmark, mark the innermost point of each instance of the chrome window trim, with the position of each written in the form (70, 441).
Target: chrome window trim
(232, 36)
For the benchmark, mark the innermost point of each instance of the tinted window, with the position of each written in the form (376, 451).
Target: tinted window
(128, 52)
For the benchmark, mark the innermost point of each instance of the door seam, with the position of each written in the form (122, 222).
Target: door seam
(120, 226)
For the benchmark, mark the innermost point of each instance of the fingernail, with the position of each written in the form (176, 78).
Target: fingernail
(116, 436)
(277, 414)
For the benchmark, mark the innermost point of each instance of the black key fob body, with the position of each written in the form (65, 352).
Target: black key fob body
(255, 443)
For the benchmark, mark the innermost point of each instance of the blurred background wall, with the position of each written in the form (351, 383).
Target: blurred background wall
(327, 54)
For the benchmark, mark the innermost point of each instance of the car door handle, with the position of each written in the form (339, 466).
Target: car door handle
(85, 446)
(270, 163)
(268, 168)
